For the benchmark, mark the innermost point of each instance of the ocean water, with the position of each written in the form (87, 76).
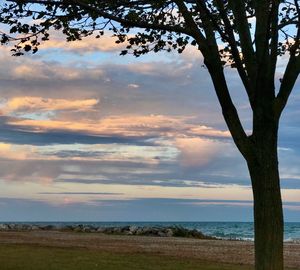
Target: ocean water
(222, 230)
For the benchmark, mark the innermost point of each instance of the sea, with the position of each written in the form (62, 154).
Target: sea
(222, 230)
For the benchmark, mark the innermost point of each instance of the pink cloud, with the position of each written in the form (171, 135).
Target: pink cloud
(39, 104)
(195, 152)
(86, 45)
(125, 125)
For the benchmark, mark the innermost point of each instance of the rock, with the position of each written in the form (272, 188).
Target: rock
(48, 227)
(4, 227)
(161, 234)
(87, 229)
(169, 232)
(77, 229)
(108, 230)
(35, 228)
(139, 231)
(100, 229)
(11, 226)
(146, 231)
(133, 229)
(125, 228)
(117, 230)
(175, 231)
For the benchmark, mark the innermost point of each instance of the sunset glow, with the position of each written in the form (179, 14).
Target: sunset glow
(87, 134)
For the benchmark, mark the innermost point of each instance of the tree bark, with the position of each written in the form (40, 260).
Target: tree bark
(268, 214)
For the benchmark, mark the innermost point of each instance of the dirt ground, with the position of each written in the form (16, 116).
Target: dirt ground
(235, 252)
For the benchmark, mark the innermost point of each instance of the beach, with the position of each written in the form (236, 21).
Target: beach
(239, 253)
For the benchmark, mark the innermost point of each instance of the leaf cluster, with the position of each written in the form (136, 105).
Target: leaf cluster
(164, 26)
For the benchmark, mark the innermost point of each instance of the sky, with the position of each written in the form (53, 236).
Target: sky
(88, 135)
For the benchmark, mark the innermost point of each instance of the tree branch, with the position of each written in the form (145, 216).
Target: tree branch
(266, 63)
(289, 79)
(239, 11)
(122, 21)
(197, 35)
(213, 62)
(274, 39)
(228, 109)
(228, 36)
(261, 30)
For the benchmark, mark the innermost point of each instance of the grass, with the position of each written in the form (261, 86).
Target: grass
(30, 257)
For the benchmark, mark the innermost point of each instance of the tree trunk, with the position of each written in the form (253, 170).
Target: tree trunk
(268, 214)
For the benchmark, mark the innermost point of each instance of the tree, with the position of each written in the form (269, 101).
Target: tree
(247, 35)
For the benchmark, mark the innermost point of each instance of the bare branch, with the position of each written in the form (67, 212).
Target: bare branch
(289, 79)
(239, 11)
(228, 35)
(213, 62)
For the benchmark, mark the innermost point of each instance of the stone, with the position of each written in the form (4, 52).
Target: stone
(174, 231)
(35, 228)
(100, 230)
(169, 232)
(133, 229)
(4, 227)
(77, 229)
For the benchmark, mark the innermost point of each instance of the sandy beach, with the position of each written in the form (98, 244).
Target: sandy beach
(220, 251)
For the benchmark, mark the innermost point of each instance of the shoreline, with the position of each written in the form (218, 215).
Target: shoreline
(214, 251)
(157, 231)
(133, 229)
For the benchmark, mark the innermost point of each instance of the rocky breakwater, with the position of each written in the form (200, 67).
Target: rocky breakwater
(173, 231)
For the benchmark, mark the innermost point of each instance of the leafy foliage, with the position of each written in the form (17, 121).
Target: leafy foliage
(248, 35)
(164, 24)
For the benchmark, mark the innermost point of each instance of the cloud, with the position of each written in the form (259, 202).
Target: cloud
(130, 125)
(160, 69)
(120, 125)
(198, 151)
(43, 138)
(133, 86)
(16, 209)
(19, 171)
(47, 71)
(185, 210)
(123, 167)
(16, 152)
(163, 86)
(209, 132)
(88, 45)
(158, 131)
(79, 193)
(27, 104)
